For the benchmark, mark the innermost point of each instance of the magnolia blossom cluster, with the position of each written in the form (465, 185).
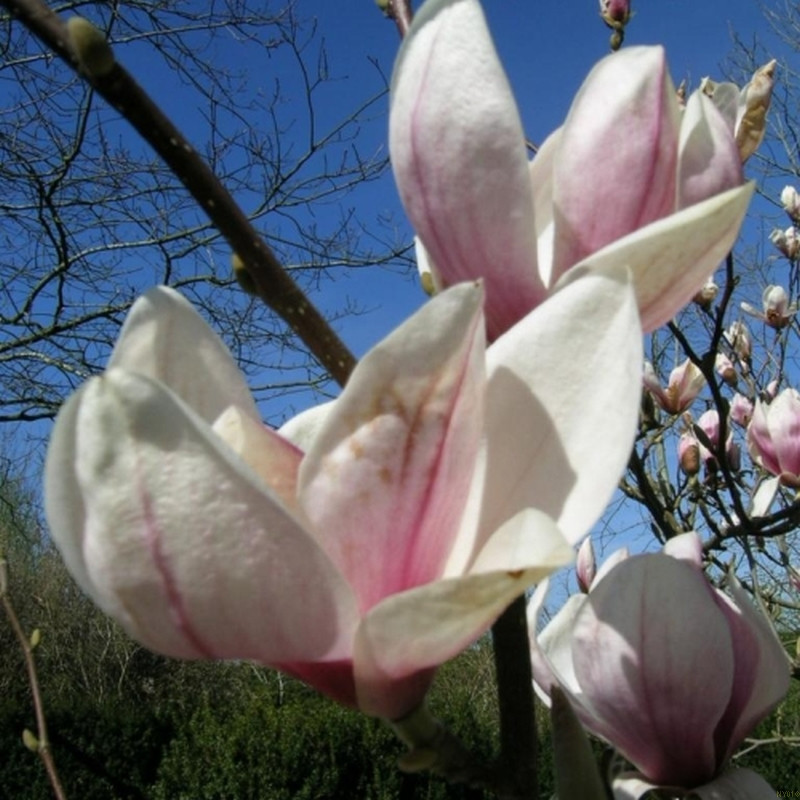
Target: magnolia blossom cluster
(374, 537)
(787, 241)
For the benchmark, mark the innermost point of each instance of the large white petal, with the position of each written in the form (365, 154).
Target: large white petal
(164, 338)
(562, 408)
(672, 258)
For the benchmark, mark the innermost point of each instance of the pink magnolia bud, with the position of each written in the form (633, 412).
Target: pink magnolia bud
(787, 242)
(586, 566)
(738, 337)
(725, 369)
(790, 200)
(706, 296)
(741, 410)
(685, 383)
(773, 437)
(689, 454)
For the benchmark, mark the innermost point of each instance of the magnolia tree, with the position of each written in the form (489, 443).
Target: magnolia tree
(472, 450)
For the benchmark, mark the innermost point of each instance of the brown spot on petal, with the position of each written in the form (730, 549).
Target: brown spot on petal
(517, 573)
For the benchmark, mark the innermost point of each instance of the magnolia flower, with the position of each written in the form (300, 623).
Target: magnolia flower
(709, 424)
(669, 670)
(777, 312)
(615, 12)
(787, 242)
(790, 200)
(438, 486)
(689, 453)
(738, 337)
(773, 437)
(629, 182)
(685, 383)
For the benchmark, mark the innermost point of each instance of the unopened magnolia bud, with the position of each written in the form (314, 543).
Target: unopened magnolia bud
(585, 566)
(751, 123)
(725, 369)
(36, 637)
(787, 242)
(243, 277)
(790, 200)
(706, 296)
(91, 47)
(30, 741)
(689, 454)
(615, 13)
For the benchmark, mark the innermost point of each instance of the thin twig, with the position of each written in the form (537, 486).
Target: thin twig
(43, 743)
(92, 58)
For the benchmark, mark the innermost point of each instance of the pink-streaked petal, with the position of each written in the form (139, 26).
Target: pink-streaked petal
(783, 419)
(178, 540)
(736, 784)
(562, 408)
(458, 154)
(165, 339)
(615, 170)
(386, 479)
(646, 670)
(617, 557)
(671, 259)
(274, 459)
(761, 679)
(708, 157)
(414, 631)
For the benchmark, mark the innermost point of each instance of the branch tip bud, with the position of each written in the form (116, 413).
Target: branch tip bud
(91, 47)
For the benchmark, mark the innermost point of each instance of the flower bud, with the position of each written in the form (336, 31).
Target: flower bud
(777, 312)
(741, 410)
(751, 121)
(790, 200)
(689, 454)
(706, 296)
(586, 566)
(787, 242)
(738, 337)
(725, 369)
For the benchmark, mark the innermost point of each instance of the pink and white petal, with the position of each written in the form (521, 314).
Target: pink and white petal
(622, 130)
(165, 339)
(541, 169)
(180, 541)
(386, 479)
(274, 459)
(302, 429)
(687, 547)
(708, 157)
(640, 650)
(672, 258)
(458, 153)
(559, 428)
(417, 630)
(762, 674)
(736, 784)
